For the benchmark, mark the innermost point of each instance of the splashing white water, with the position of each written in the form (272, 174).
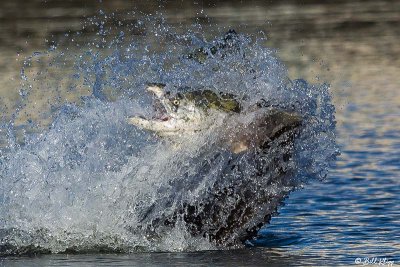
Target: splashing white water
(91, 182)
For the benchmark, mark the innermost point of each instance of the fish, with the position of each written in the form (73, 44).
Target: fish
(185, 112)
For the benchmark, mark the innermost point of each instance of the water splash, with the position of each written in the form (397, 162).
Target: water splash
(87, 181)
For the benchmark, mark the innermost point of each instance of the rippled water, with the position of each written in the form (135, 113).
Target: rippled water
(355, 212)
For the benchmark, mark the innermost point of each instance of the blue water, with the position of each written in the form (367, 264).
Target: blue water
(355, 213)
(351, 217)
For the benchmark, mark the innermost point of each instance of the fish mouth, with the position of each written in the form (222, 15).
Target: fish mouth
(161, 114)
(160, 111)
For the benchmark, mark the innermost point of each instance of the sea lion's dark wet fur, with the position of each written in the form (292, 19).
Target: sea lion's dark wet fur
(222, 216)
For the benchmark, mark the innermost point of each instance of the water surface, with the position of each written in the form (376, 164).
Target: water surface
(354, 46)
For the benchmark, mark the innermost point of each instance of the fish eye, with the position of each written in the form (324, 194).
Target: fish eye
(175, 102)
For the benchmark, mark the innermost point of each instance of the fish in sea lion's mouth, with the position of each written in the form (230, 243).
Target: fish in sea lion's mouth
(268, 132)
(260, 138)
